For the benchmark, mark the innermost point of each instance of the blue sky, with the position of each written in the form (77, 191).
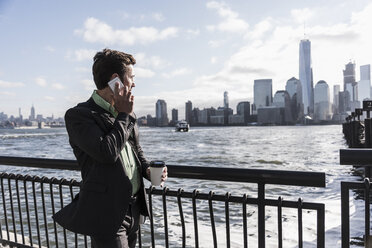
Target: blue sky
(185, 50)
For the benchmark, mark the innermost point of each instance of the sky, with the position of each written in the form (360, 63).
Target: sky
(185, 50)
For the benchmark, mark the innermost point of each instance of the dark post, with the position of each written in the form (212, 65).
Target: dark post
(345, 213)
(261, 215)
(367, 106)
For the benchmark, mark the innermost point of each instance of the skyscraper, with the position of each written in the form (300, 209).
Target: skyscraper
(364, 85)
(188, 112)
(306, 76)
(294, 89)
(32, 116)
(262, 93)
(350, 84)
(174, 115)
(321, 101)
(226, 100)
(336, 99)
(161, 113)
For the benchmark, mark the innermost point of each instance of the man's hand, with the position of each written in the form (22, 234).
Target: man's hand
(123, 99)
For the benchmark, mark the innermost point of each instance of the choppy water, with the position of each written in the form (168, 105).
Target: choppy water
(297, 148)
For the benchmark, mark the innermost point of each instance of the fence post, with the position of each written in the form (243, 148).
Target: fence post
(261, 215)
(345, 212)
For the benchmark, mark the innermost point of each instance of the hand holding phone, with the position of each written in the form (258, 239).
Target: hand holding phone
(112, 84)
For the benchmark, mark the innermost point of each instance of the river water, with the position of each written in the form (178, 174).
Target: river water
(296, 148)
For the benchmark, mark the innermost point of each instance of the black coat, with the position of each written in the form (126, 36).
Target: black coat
(97, 139)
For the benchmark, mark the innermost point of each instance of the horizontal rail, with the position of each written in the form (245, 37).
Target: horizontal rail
(279, 177)
(356, 156)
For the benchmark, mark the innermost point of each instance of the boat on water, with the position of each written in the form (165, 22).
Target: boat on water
(182, 126)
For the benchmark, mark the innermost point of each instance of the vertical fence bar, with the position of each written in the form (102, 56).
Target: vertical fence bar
(44, 179)
(53, 180)
(19, 209)
(72, 197)
(367, 240)
(61, 201)
(165, 216)
(213, 225)
(4, 207)
(227, 217)
(151, 218)
(179, 193)
(280, 223)
(245, 230)
(261, 215)
(194, 213)
(36, 210)
(300, 234)
(345, 212)
(12, 208)
(28, 209)
(321, 226)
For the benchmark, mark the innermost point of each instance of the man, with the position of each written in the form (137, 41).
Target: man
(103, 134)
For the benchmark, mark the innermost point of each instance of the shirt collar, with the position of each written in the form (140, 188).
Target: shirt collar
(104, 104)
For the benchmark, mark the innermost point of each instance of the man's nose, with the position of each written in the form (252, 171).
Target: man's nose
(133, 85)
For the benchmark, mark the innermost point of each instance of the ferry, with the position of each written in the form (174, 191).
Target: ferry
(182, 126)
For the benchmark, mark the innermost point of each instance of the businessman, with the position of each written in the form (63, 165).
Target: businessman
(103, 134)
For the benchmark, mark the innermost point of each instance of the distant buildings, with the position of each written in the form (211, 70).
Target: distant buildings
(174, 117)
(306, 76)
(188, 112)
(364, 85)
(161, 113)
(322, 105)
(262, 93)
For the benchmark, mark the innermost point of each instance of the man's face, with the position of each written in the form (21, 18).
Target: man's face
(129, 78)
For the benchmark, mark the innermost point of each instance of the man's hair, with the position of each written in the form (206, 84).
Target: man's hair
(109, 62)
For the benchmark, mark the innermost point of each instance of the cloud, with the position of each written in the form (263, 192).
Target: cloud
(177, 72)
(58, 86)
(236, 69)
(7, 93)
(192, 33)
(154, 62)
(301, 16)
(216, 43)
(143, 73)
(6, 84)
(83, 69)
(81, 54)
(214, 60)
(158, 17)
(89, 84)
(96, 31)
(49, 98)
(50, 49)
(230, 19)
(41, 81)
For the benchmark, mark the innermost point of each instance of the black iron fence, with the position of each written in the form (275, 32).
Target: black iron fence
(27, 203)
(345, 211)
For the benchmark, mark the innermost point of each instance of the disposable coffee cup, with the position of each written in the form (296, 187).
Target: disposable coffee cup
(156, 171)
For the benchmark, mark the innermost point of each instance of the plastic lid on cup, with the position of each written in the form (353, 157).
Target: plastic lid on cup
(157, 164)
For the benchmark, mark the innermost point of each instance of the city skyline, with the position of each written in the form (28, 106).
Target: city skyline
(224, 48)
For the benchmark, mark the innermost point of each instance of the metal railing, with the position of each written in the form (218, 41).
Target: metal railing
(345, 211)
(28, 202)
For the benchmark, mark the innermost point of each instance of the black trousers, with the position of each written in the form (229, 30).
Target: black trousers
(126, 237)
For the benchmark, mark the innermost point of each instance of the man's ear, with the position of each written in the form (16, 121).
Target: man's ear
(114, 76)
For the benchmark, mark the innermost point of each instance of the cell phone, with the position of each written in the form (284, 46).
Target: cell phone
(112, 83)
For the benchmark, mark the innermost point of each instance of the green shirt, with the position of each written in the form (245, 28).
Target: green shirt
(127, 153)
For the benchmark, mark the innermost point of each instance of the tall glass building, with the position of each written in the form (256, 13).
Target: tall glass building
(306, 76)
(161, 113)
(364, 85)
(322, 110)
(262, 93)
